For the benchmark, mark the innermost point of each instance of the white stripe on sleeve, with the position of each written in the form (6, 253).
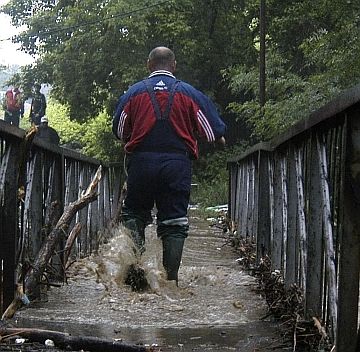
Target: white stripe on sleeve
(206, 126)
(121, 124)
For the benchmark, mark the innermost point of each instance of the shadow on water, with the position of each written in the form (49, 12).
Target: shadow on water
(214, 309)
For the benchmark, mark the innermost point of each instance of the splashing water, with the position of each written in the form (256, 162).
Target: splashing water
(214, 296)
(111, 265)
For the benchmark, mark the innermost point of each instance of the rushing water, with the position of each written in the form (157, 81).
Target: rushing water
(213, 309)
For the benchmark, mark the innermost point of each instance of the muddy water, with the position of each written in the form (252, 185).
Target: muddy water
(213, 309)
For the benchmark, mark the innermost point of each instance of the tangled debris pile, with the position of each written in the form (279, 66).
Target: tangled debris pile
(285, 304)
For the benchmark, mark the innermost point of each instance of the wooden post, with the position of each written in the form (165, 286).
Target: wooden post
(255, 214)
(291, 272)
(263, 242)
(301, 215)
(276, 248)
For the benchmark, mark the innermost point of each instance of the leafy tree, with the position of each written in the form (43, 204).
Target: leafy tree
(312, 54)
(289, 97)
(90, 51)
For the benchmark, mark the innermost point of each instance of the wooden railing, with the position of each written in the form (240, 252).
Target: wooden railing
(298, 198)
(37, 181)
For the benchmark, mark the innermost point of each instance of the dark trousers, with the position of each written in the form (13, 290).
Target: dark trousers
(160, 179)
(163, 180)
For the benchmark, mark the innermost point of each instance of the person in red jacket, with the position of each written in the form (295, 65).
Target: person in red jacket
(159, 120)
(13, 106)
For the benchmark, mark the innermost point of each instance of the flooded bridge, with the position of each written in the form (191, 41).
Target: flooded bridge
(296, 199)
(215, 307)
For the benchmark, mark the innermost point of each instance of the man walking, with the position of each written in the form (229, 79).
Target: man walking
(158, 119)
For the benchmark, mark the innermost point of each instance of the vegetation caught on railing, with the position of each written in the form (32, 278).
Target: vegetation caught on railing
(284, 304)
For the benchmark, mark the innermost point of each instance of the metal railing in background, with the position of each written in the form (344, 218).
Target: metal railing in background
(298, 198)
(33, 194)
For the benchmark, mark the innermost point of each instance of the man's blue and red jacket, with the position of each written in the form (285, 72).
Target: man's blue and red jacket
(192, 116)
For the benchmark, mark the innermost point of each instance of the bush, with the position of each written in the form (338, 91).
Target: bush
(211, 176)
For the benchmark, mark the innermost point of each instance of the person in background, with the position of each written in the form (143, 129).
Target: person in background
(38, 106)
(47, 133)
(158, 119)
(13, 106)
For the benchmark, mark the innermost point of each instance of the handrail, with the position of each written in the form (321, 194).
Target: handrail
(298, 198)
(35, 192)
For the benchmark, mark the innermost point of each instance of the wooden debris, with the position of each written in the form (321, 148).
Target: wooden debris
(287, 306)
(70, 242)
(67, 341)
(117, 217)
(19, 300)
(33, 277)
(284, 304)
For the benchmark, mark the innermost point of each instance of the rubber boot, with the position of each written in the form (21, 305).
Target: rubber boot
(172, 252)
(137, 230)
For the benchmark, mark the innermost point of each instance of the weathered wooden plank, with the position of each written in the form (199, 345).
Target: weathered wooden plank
(108, 211)
(251, 197)
(301, 217)
(36, 203)
(238, 196)
(263, 237)
(314, 292)
(284, 209)
(71, 194)
(8, 223)
(271, 202)
(101, 202)
(328, 238)
(94, 225)
(116, 180)
(244, 198)
(82, 216)
(56, 178)
(256, 198)
(277, 240)
(291, 269)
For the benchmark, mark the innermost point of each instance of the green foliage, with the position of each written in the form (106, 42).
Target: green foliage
(211, 176)
(290, 98)
(94, 137)
(68, 130)
(312, 54)
(99, 141)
